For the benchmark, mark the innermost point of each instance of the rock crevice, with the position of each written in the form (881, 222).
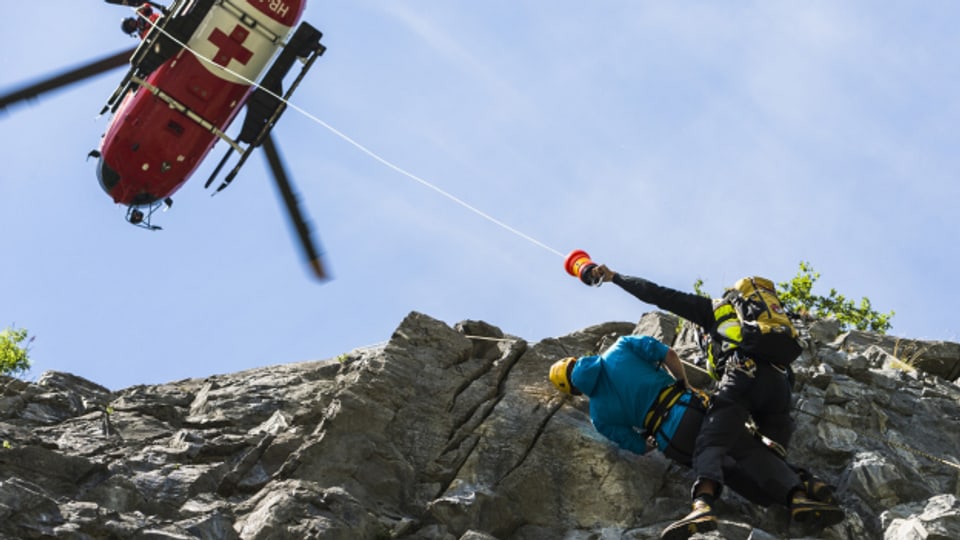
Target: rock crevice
(454, 433)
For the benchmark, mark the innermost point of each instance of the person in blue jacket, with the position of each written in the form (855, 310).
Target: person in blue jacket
(640, 399)
(623, 385)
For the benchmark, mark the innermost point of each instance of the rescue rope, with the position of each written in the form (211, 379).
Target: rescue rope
(403, 172)
(485, 338)
(894, 444)
(382, 344)
(694, 366)
(370, 153)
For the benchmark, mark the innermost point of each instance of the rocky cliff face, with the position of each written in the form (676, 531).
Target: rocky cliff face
(455, 433)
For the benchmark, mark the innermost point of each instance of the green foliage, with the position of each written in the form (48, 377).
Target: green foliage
(14, 353)
(797, 296)
(698, 288)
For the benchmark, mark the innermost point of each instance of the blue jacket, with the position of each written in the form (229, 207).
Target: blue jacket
(622, 384)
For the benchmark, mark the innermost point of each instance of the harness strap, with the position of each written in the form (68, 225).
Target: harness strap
(661, 406)
(680, 445)
(692, 407)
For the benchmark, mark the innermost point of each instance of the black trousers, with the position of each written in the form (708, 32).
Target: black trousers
(749, 467)
(765, 395)
(747, 388)
(761, 476)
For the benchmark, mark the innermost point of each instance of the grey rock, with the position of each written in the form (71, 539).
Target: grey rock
(824, 331)
(940, 358)
(937, 517)
(454, 433)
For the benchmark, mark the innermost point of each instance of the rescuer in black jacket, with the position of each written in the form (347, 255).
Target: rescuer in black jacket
(749, 387)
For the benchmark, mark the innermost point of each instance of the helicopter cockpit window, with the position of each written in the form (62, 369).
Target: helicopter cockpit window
(107, 176)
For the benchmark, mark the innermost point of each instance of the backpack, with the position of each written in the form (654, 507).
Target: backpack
(762, 328)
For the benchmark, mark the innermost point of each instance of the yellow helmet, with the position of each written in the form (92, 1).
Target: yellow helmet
(560, 375)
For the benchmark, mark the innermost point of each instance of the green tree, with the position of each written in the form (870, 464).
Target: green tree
(698, 288)
(14, 351)
(797, 296)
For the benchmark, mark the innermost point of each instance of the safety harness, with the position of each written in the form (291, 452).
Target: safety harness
(661, 407)
(679, 446)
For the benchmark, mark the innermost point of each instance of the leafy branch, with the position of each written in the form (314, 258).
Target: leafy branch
(14, 353)
(797, 296)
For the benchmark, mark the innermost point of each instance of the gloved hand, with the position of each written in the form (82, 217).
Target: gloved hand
(588, 277)
(603, 273)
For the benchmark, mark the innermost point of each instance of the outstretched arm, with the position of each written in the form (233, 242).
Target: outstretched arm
(695, 308)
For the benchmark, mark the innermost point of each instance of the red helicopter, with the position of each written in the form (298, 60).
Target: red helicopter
(189, 77)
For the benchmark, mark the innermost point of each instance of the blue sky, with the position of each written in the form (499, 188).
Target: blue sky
(671, 140)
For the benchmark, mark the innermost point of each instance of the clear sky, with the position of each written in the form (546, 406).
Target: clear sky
(671, 140)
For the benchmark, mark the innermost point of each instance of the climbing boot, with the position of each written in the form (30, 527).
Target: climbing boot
(701, 519)
(807, 511)
(819, 490)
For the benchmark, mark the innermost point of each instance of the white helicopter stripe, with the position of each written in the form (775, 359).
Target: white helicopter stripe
(236, 36)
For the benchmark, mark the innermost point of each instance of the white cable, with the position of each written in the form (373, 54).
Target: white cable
(359, 146)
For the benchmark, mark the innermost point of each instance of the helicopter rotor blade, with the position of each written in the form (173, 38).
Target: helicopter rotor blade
(66, 78)
(310, 251)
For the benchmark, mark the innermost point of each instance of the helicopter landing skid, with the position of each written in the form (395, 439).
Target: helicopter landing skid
(141, 216)
(265, 106)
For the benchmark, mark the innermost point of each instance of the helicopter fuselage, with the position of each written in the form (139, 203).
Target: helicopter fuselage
(168, 122)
